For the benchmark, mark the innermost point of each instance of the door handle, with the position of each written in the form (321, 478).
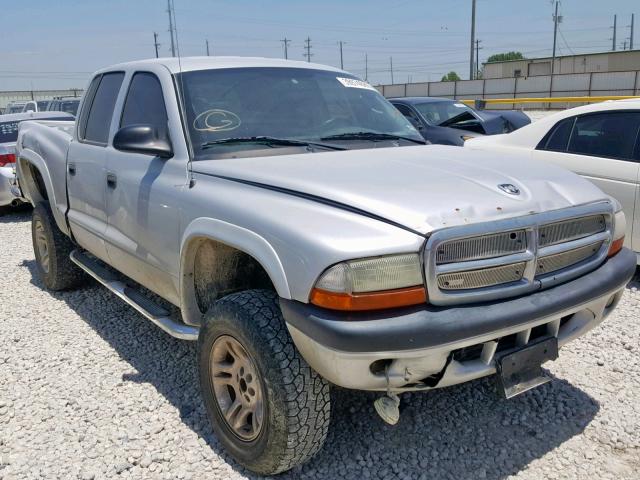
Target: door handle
(71, 168)
(112, 180)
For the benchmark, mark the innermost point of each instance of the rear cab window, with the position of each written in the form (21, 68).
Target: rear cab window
(95, 126)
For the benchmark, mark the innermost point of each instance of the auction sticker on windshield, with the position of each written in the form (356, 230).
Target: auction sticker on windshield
(353, 83)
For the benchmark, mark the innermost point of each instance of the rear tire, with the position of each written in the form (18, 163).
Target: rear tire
(290, 423)
(52, 248)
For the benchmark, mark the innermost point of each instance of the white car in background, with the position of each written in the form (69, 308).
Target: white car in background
(10, 195)
(19, 106)
(601, 142)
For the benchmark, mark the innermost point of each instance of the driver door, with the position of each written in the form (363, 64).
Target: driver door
(143, 221)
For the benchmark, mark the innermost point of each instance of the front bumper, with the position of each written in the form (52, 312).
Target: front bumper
(428, 347)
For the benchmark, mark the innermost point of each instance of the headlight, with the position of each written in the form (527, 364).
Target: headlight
(371, 284)
(619, 229)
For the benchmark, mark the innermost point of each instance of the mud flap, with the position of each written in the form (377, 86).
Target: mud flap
(520, 370)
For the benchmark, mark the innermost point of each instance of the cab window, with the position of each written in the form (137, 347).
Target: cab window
(144, 104)
(100, 112)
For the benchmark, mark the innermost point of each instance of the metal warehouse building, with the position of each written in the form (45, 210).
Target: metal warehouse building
(620, 61)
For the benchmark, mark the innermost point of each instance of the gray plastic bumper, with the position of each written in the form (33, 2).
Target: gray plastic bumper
(417, 344)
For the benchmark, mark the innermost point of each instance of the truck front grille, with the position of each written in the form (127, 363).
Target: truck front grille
(558, 232)
(553, 263)
(480, 247)
(511, 257)
(481, 278)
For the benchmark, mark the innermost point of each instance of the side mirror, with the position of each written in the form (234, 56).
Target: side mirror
(142, 139)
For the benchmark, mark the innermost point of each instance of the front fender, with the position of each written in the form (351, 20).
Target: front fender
(237, 237)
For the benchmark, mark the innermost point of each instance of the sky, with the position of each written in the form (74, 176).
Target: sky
(57, 44)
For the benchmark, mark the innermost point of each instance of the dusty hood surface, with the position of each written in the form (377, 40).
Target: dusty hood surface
(422, 188)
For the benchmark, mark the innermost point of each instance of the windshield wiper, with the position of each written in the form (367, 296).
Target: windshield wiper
(269, 141)
(373, 136)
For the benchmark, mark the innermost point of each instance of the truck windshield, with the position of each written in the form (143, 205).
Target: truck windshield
(298, 104)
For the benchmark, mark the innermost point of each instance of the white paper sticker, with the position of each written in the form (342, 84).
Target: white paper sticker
(353, 83)
(459, 105)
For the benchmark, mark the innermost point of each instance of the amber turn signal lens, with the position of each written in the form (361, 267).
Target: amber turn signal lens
(401, 297)
(615, 247)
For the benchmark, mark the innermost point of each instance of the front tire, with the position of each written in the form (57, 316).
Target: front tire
(268, 408)
(52, 248)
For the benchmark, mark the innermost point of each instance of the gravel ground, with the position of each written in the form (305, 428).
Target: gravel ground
(89, 389)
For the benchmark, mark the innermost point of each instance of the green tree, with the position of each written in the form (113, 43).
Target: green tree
(450, 77)
(505, 57)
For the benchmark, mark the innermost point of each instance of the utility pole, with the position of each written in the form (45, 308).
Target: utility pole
(624, 45)
(366, 68)
(556, 21)
(391, 68)
(341, 58)
(173, 46)
(155, 42)
(207, 41)
(285, 41)
(615, 21)
(631, 34)
(473, 37)
(478, 48)
(307, 47)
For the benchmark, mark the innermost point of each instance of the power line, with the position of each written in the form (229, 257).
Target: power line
(366, 67)
(556, 20)
(155, 42)
(173, 46)
(565, 42)
(473, 37)
(307, 47)
(285, 41)
(478, 48)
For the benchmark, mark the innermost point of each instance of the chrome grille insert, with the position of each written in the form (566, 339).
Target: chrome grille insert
(508, 257)
(553, 263)
(573, 229)
(481, 247)
(481, 278)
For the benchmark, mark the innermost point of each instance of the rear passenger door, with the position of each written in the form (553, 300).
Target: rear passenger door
(87, 163)
(602, 147)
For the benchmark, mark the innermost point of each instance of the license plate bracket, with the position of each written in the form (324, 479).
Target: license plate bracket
(520, 370)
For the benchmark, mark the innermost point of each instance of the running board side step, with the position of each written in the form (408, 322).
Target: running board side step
(142, 304)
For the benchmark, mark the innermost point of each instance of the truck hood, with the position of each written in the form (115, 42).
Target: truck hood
(422, 188)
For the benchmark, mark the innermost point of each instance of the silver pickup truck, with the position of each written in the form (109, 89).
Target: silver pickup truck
(308, 238)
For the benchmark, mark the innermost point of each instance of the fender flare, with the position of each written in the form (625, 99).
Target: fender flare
(234, 236)
(29, 157)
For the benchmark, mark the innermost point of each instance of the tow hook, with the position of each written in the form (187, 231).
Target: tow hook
(388, 406)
